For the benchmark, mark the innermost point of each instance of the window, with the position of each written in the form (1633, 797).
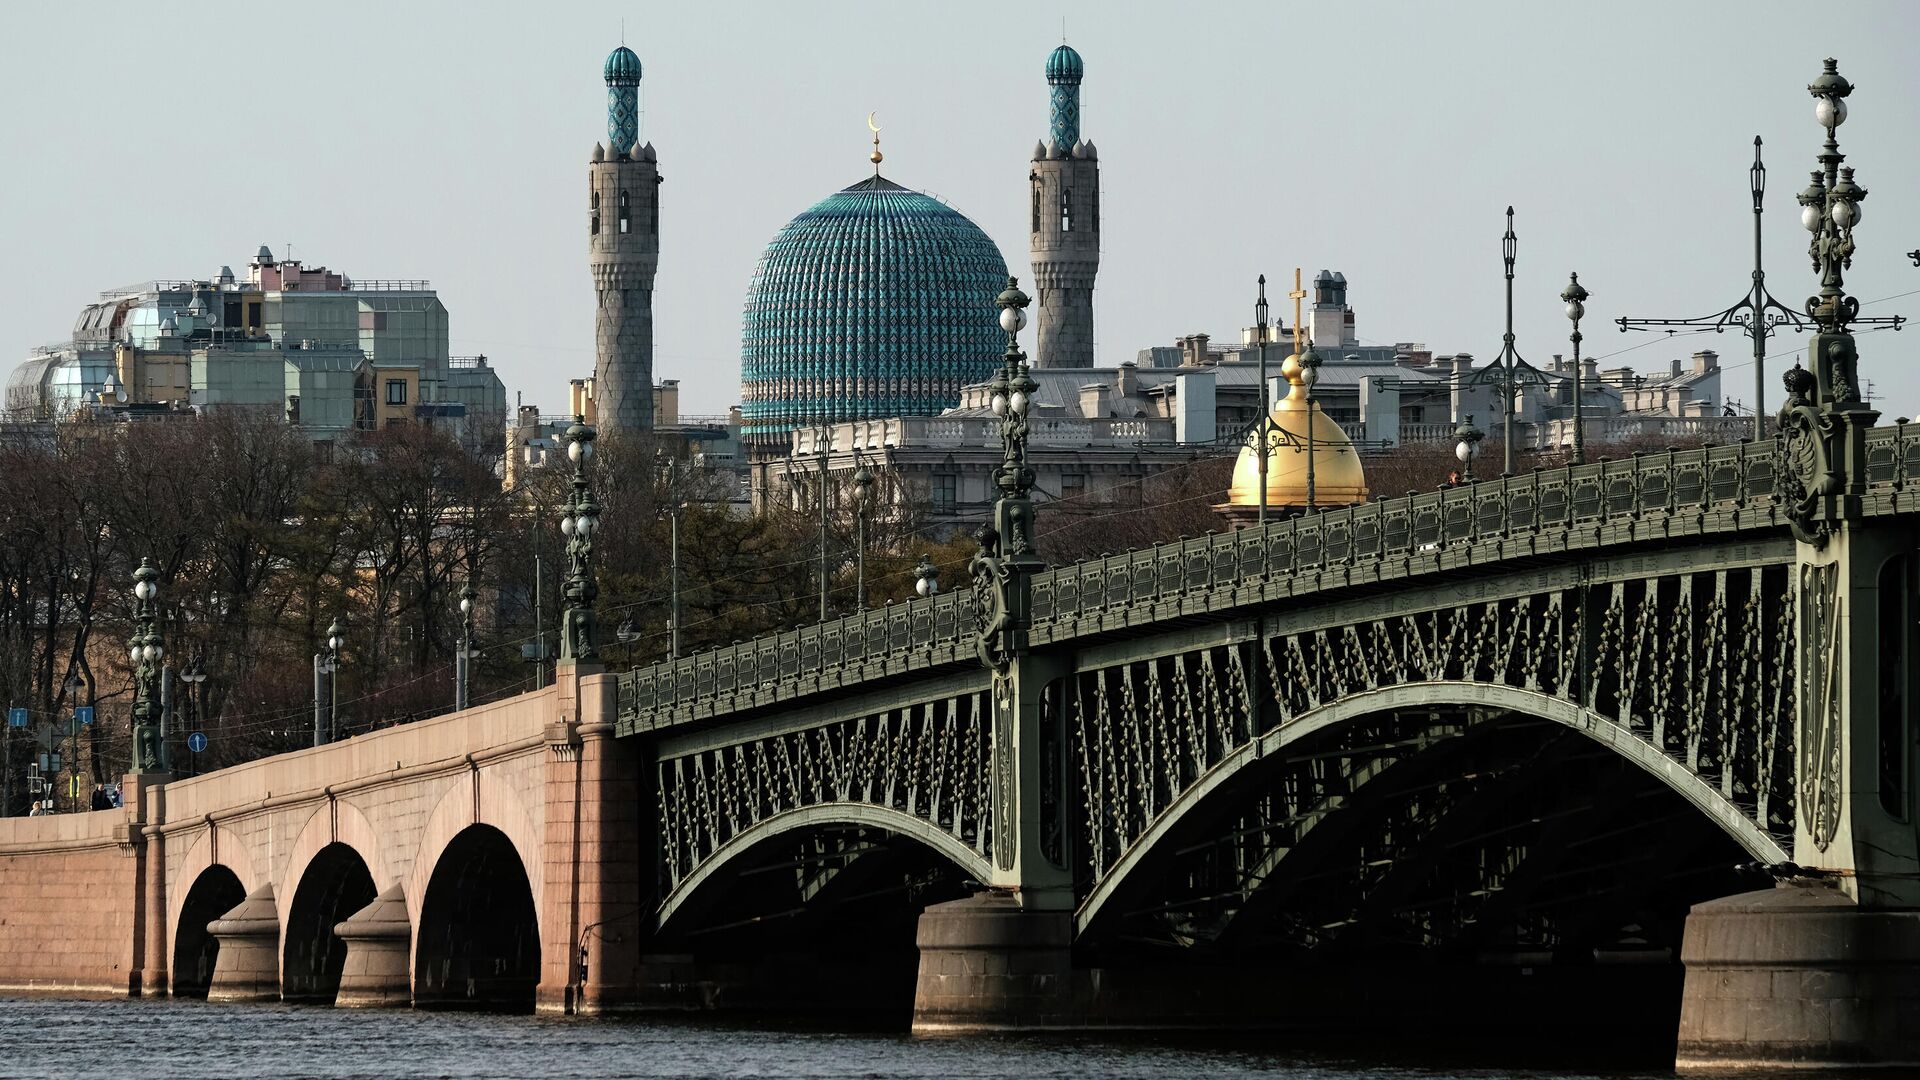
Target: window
(1073, 486)
(653, 209)
(594, 228)
(946, 492)
(1036, 203)
(396, 391)
(1413, 414)
(623, 212)
(1066, 210)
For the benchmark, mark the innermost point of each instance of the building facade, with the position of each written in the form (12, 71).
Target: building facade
(329, 352)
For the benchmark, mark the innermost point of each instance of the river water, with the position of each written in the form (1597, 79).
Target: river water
(49, 1037)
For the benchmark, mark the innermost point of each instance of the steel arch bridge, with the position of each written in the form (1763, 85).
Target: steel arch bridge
(1658, 606)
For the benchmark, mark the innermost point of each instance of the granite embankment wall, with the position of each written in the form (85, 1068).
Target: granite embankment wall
(69, 903)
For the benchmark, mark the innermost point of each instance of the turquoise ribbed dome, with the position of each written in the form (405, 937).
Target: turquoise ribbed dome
(622, 66)
(875, 302)
(1063, 66)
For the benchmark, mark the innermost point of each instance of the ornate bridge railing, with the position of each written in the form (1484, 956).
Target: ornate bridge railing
(1649, 497)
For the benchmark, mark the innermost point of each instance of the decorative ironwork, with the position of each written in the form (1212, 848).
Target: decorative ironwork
(1001, 569)
(928, 761)
(146, 651)
(1508, 371)
(1146, 732)
(1823, 617)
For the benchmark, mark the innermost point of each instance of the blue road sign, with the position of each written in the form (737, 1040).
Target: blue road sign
(197, 742)
(83, 714)
(17, 717)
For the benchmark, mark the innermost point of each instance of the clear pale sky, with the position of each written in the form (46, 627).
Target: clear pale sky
(449, 141)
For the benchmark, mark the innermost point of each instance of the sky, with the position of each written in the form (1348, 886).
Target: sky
(449, 141)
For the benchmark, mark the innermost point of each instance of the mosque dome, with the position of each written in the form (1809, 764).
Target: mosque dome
(876, 301)
(1063, 66)
(1338, 478)
(622, 66)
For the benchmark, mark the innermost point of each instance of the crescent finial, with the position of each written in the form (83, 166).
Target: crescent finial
(870, 124)
(875, 156)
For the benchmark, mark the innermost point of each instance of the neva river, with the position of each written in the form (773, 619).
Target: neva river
(47, 1037)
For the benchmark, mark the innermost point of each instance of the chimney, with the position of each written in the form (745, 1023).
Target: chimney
(1193, 350)
(1127, 380)
(1094, 403)
(1559, 364)
(1704, 361)
(1675, 373)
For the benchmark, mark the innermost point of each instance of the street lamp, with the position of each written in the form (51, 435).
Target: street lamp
(862, 496)
(1508, 371)
(463, 661)
(1467, 447)
(670, 475)
(578, 523)
(1576, 297)
(193, 675)
(1309, 378)
(928, 577)
(1260, 312)
(326, 683)
(822, 444)
(145, 652)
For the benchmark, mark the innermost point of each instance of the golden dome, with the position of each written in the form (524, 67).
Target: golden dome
(1338, 479)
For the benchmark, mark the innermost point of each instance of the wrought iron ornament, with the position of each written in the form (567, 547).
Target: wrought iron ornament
(1006, 560)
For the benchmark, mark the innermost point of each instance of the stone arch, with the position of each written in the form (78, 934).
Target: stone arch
(896, 822)
(333, 884)
(479, 797)
(478, 932)
(1614, 736)
(216, 846)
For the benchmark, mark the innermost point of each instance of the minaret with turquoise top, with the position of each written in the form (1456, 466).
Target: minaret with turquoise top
(1064, 223)
(623, 246)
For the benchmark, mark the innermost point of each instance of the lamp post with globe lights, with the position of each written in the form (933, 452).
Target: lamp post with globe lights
(1466, 447)
(670, 477)
(463, 661)
(1309, 378)
(326, 683)
(578, 523)
(1575, 296)
(926, 578)
(145, 652)
(1260, 312)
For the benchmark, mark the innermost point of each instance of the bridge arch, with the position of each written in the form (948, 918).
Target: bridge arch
(333, 870)
(203, 889)
(1696, 791)
(895, 822)
(478, 934)
(479, 839)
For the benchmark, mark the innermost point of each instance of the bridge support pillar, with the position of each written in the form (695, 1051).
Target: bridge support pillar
(1799, 977)
(988, 964)
(145, 795)
(248, 965)
(377, 937)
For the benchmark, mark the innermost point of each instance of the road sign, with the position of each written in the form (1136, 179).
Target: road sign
(83, 714)
(17, 717)
(197, 742)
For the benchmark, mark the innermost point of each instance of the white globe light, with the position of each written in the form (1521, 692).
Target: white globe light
(1810, 217)
(566, 525)
(153, 653)
(334, 643)
(1463, 451)
(466, 605)
(923, 587)
(1018, 403)
(1576, 310)
(999, 404)
(133, 655)
(1831, 112)
(585, 524)
(1013, 319)
(1846, 214)
(576, 451)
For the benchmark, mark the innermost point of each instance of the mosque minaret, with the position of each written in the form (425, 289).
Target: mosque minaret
(623, 245)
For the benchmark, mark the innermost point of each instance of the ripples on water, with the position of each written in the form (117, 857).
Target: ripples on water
(47, 1037)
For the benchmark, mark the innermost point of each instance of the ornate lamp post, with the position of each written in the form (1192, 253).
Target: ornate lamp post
(1309, 378)
(192, 676)
(927, 577)
(1260, 311)
(1467, 447)
(862, 496)
(463, 661)
(326, 683)
(1823, 423)
(1006, 558)
(822, 445)
(145, 652)
(1508, 371)
(578, 523)
(670, 476)
(1576, 297)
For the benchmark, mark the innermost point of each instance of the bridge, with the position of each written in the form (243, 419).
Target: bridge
(1529, 749)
